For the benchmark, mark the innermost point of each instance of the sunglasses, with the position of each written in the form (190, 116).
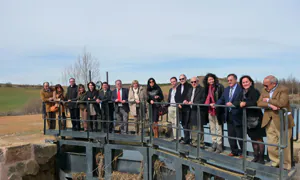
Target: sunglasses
(182, 79)
(151, 82)
(193, 82)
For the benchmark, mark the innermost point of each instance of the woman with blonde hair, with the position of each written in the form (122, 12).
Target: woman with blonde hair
(135, 97)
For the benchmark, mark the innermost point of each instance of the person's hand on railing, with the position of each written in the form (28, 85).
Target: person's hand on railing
(212, 105)
(156, 97)
(229, 104)
(137, 101)
(274, 108)
(89, 99)
(242, 104)
(185, 102)
(69, 100)
(98, 100)
(190, 102)
(179, 106)
(51, 99)
(117, 100)
(123, 101)
(151, 102)
(266, 99)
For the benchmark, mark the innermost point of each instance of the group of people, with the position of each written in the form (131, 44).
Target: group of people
(186, 97)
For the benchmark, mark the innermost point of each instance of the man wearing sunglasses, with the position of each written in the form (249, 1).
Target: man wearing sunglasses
(196, 96)
(273, 98)
(184, 110)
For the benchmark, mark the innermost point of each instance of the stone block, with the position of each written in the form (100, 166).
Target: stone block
(44, 152)
(32, 167)
(18, 153)
(2, 156)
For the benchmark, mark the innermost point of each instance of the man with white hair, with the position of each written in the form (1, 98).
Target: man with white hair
(273, 98)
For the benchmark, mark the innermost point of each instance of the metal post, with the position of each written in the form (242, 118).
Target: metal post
(151, 123)
(107, 76)
(59, 119)
(90, 75)
(244, 139)
(199, 129)
(280, 144)
(45, 118)
(88, 120)
(177, 127)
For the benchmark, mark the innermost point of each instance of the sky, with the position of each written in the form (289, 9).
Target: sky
(137, 39)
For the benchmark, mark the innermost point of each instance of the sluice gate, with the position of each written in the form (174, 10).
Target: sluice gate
(110, 155)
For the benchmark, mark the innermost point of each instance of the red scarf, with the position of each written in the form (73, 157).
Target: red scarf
(211, 99)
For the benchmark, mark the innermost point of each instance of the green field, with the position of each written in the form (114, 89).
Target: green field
(14, 98)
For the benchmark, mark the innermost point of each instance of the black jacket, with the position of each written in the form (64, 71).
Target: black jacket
(220, 111)
(251, 98)
(179, 98)
(104, 98)
(199, 98)
(155, 91)
(93, 96)
(72, 93)
(114, 96)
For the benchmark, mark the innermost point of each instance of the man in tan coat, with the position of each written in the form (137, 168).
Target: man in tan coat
(47, 96)
(273, 98)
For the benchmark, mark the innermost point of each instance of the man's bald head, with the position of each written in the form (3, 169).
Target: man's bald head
(270, 82)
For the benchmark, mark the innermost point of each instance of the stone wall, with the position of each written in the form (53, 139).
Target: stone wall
(28, 162)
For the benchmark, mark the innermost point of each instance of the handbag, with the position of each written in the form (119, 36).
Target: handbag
(162, 109)
(252, 122)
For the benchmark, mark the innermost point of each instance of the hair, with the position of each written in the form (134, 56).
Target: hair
(94, 85)
(46, 83)
(248, 77)
(183, 75)
(72, 79)
(234, 75)
(173, 78)
(205, 80)
(118, 80)
(104, 83)
(135, 82)
(81, 86)
(155, 86)
(272, 79)
(59, 86)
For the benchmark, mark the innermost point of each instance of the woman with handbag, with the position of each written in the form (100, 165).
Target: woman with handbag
(58, 95)
(135, 97)
(91, 96)
(155, 94)
(248, 97)
(82, 105)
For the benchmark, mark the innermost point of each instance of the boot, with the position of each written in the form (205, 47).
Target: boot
(255, 157)
(219, 148)
(155, 130)
(261, 159)
(213, 147)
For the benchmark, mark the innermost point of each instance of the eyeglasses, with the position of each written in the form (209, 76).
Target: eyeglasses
(182, 79)
(193, 82)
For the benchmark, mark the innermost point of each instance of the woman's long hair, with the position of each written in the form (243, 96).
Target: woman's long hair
(248, 77)
(205, 81)
(94, 85)
(59, 86)
(155, 86)
(81, 86)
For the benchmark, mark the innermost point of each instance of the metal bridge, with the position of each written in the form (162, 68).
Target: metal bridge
(132, 153)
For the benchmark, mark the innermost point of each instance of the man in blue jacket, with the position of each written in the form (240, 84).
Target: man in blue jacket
(233, 116)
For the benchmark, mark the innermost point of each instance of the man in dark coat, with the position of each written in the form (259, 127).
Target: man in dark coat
(233, 116)
(120, 97)
(71, 95)
(184, 110)
(106, 107)
(195, 95)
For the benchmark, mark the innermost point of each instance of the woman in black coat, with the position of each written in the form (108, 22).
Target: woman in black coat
(91, 96)
(248, 97)
(213, 91)
(155, 94)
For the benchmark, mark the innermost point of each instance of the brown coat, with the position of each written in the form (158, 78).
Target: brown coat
(45, 98)
(142, 97)
(280, 98)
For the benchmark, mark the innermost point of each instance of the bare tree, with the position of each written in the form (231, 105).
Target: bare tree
(81, 67)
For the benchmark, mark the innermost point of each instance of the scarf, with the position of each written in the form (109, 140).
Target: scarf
(211, 99)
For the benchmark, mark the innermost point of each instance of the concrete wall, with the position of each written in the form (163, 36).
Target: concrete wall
(28, 162)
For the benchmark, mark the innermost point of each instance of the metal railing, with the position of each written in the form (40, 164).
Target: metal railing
(283, 142)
